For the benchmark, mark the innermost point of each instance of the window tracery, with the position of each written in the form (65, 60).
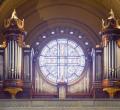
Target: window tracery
(62, 60)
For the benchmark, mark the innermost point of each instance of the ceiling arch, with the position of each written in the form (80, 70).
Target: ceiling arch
(50, 24)
(87, 13)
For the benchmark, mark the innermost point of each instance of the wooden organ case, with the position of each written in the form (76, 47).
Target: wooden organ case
(15, 60)
(111, 44)
(97, 55)
(106, 60)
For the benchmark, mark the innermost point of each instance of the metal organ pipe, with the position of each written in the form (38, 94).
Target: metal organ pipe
(19, 61)
(115, 60)
(111, 56)
(112, 68)
(106, 61)
(9, 60)
(6, 62)
(10, 54)
(105, 68)
(115, 56)
(118, 62)
(16, 60)
(107, 51)
(12, 68)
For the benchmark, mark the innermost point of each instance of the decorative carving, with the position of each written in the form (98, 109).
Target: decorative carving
(13, 91)
(118, 43)
(111, 91)
(14, 16)
(111, 21)
(4, 44)
(7, 23)
(105, 83)
(112, 16)
(105, 40)
(14, 20)
(20, 23)
(103, 24)
(20, 41)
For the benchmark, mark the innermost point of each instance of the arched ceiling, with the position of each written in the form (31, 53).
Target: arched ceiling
(41, 14)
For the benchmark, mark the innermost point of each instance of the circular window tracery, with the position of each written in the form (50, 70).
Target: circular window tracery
(62, 60)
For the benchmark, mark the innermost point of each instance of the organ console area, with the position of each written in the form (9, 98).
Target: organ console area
(19, 70)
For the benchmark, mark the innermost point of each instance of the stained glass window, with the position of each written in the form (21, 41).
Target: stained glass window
(62, 60)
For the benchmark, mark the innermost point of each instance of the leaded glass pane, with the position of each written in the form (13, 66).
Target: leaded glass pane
(62, 60)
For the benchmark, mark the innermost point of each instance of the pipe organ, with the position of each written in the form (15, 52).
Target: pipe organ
(14, 52)
(110, 45)
(20, 74)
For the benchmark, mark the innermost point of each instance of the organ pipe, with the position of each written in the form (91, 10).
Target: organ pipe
(1, 64)
(16, 60)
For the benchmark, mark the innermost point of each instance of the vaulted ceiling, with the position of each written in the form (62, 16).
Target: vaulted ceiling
(40, 15)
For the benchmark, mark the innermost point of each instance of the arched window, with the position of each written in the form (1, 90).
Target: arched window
(62, 60)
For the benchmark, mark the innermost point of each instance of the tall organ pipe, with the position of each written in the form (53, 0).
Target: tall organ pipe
(16, 60)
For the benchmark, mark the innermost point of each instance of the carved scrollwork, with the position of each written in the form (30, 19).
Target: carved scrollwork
(20, 41)
(4, 44)
(110, 22)
(118, 43)
(7, 23)
(20, 23)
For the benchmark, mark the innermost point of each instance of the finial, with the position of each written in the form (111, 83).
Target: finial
(14, 16)
(103, 24)
(112, 16)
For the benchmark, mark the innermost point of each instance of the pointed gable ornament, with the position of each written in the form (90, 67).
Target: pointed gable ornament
(14, 16)
(112, 16)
